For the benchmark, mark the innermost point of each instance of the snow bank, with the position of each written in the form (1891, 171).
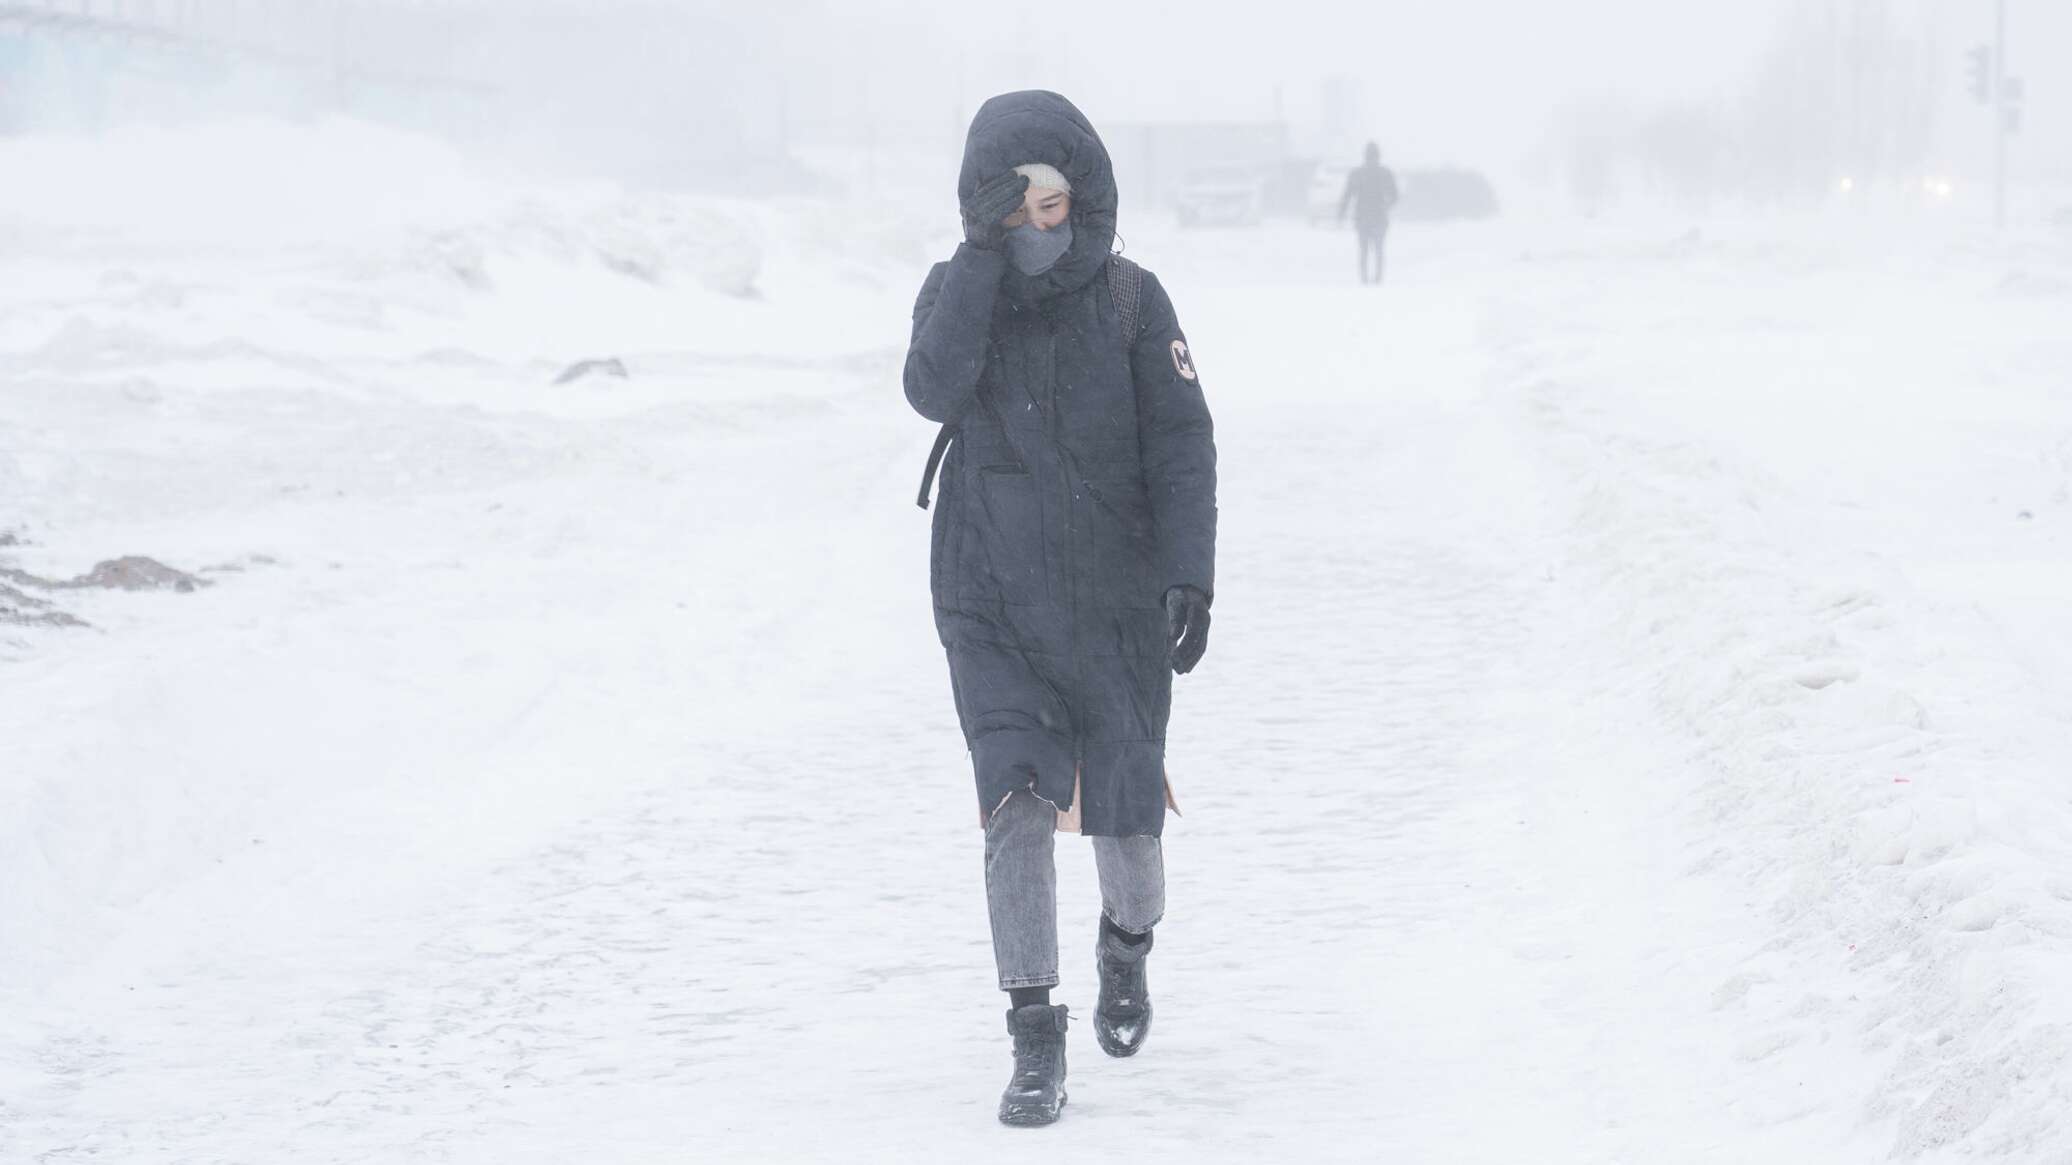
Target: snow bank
(212, 333)
(1757, 536)
(342, 258)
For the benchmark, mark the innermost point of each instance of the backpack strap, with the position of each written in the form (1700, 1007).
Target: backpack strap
(1126, 284)
(1126, 287)
(942, 446)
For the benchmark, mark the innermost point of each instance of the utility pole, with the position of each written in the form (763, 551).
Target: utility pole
(1994, 89)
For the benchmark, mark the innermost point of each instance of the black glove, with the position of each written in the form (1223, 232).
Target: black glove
(1187, 625)
(989, 204)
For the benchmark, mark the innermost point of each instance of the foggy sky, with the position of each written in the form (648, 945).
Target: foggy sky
(1472, 79)
(1471, 82)
(1484, 83)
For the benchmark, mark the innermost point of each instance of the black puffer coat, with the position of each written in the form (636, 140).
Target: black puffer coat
(1081, 486)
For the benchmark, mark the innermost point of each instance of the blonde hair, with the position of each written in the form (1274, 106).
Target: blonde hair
(1043, 176)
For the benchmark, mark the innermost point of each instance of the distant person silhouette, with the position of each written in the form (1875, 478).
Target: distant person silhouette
(1370, 192)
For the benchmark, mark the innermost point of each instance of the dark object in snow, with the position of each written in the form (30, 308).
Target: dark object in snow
(1079, 488)
(1036, 1092)
(137, 574)
(1122, 1017)
(610, 366)
(129, 573)
(25, 610)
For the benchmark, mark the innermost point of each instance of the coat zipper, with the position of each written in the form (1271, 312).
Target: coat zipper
(1072, 532)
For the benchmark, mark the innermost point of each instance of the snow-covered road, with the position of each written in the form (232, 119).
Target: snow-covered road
(574, 777)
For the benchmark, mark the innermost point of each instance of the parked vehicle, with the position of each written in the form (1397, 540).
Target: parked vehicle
(1428, 195)
(1326, 187)
(1440, 195)
(1226, 195)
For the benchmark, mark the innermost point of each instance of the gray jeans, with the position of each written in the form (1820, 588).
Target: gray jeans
(1022, 888)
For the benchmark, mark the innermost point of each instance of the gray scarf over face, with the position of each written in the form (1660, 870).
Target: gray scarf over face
(1034, 250)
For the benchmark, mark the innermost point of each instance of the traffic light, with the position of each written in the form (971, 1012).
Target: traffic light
(1981, 70)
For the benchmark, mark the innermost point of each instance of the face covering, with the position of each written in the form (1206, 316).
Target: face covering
(1034, 251)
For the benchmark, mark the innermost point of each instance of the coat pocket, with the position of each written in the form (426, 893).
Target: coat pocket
(1013, 565)
(1125, 541)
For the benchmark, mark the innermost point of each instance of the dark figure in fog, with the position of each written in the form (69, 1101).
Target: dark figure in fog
(1370, 193)
(1073, 555)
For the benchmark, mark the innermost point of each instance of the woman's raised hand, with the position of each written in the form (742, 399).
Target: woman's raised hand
(988, 205)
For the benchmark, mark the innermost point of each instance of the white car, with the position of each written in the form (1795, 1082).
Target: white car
(1227, 196)
(1326, 187)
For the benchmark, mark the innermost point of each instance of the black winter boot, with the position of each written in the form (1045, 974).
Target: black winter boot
(1122, 1016)
(1037, 1091)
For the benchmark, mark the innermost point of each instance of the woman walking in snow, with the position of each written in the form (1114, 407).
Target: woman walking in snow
(1073, 555)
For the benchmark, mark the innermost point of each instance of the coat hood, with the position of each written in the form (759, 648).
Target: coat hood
(1039, 126)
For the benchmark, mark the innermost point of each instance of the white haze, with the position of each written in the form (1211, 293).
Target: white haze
(722, 93)
(468, 689)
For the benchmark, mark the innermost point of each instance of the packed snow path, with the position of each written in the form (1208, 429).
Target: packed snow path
(590, 792)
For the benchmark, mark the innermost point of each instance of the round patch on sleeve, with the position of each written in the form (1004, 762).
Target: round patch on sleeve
(1182, 362)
